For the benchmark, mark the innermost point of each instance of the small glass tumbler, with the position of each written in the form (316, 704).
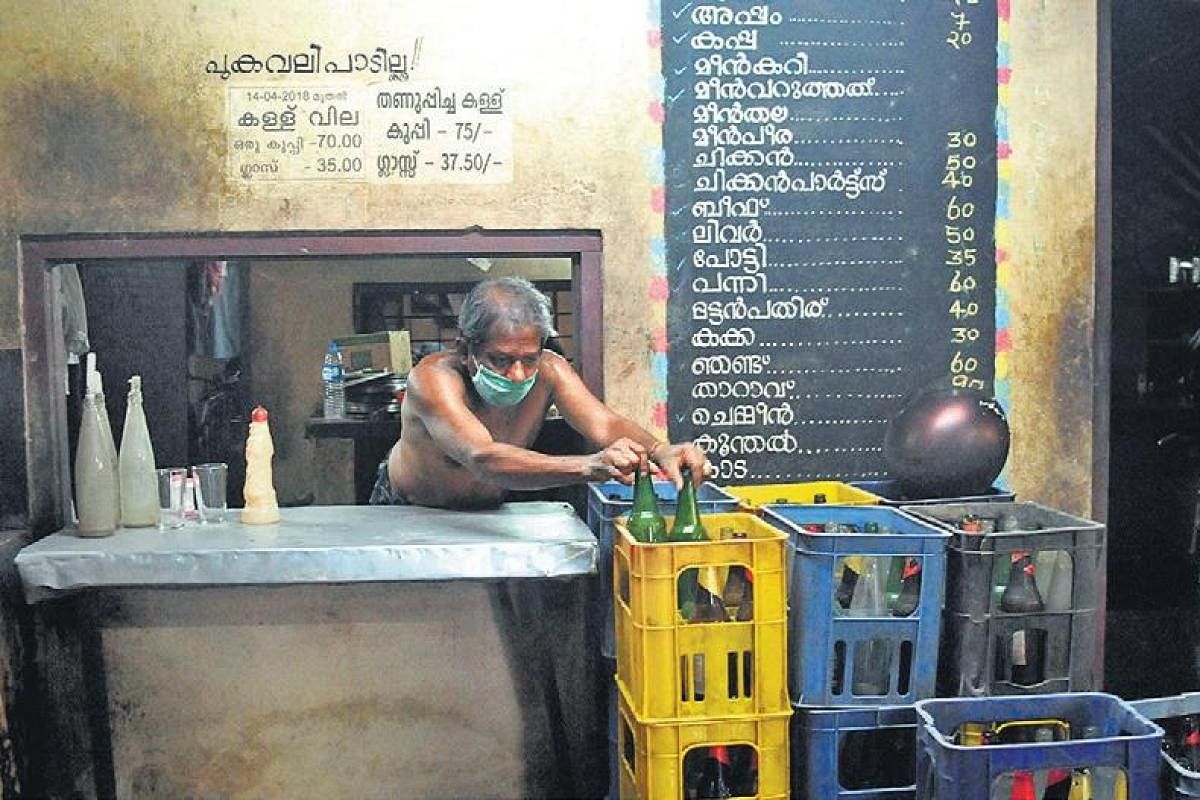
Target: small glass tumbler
(170, 497)
(210, 491)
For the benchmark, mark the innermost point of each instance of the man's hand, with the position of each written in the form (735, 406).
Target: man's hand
(672, 458)
(618, 461)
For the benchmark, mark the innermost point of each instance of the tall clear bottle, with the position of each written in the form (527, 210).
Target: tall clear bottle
(95, 475)
(872, 660)
(645, 521)
(95, 383)
(138, 481)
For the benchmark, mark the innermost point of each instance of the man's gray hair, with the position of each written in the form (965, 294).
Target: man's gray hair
(504, 305)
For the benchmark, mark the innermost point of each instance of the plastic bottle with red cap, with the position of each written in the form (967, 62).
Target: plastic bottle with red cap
(261, 506)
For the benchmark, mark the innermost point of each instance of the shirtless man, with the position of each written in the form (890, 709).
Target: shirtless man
(469, 417)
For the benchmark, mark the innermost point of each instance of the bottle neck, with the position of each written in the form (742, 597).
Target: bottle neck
(643, 487)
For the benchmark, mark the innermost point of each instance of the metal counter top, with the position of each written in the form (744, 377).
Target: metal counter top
(320, 544)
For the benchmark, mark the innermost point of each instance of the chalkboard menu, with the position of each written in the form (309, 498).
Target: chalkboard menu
(830, 214)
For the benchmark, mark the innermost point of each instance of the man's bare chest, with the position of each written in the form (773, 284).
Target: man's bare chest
(516, 426)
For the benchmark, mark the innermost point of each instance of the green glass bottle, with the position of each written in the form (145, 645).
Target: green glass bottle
(645, 522)
(687, 528)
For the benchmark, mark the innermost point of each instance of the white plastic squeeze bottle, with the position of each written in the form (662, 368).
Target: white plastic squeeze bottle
(261, 506)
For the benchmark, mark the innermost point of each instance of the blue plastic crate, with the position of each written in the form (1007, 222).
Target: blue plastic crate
(835, 749)
(822, 643)
(611, 500)
(892, 494)
(1107, 734)
(1177, 781)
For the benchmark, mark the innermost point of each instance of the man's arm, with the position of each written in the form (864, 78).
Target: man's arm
(584, 412)
(437, 398)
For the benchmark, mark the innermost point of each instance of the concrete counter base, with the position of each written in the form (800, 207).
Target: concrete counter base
(411, 689)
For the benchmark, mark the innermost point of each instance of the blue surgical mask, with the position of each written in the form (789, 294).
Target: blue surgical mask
(497, 390)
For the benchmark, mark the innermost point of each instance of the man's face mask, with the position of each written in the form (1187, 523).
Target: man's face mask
(497, 390)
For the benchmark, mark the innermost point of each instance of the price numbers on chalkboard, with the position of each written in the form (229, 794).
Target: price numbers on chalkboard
(962, 255)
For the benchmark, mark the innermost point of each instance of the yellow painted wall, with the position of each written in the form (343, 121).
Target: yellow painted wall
(111, 124)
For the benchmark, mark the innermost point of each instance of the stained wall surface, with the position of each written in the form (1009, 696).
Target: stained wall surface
(119, 128)
(116, 126)
(112, 124)
(1052, 130)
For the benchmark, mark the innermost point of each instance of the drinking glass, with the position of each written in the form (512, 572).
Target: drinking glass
(210, 491)
(170, 497)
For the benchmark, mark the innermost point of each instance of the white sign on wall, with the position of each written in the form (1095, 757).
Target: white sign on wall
(386, 133)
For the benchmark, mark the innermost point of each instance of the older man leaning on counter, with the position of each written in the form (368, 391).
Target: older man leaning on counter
(469, 417)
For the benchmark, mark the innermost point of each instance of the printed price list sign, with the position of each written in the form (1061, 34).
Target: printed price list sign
(830, 185)
(395, 133)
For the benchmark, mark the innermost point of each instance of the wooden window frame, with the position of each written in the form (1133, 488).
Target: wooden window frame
(44, 370)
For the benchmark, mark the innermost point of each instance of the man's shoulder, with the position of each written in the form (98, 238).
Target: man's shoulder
(435, 372)
(553, 364)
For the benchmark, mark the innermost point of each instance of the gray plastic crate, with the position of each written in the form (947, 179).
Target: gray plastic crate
(978, 636)
(891, 493)
(975, 655)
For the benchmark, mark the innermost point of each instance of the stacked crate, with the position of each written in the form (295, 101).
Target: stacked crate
(612, 500)
(755, 498)
(853, 733)
(854, 752)
(987, 651)
(1178, 716)
(891, 492)
(1102, 748)
(608, 502)
(688, 689)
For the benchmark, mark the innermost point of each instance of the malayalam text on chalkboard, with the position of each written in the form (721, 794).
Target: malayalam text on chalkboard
(831, 191)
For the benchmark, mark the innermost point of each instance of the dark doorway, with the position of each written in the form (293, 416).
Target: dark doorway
(1154, 448)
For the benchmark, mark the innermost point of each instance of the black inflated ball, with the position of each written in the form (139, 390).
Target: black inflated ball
(947, 443)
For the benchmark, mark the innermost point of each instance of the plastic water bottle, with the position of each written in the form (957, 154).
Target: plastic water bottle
(335, 384)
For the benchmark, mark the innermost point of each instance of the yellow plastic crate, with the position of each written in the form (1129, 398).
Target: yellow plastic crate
(651, 756)
(752, 498)
(663, 661)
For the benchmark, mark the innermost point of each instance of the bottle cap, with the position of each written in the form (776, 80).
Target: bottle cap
(135, 385)
(720, 752)
(259, 414)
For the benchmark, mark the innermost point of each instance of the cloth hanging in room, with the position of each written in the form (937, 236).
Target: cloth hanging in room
(216, 309)
(74, 312)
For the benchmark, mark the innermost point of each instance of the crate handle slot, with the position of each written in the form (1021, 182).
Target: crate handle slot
(839, 668)
(906, 658)
(683, 678)
(621, 578)
(627, 747)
